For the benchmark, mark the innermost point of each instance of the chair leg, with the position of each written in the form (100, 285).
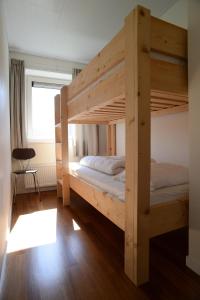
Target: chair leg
(34, 181)
(38, 186)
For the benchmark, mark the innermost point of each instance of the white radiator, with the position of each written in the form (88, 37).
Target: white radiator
(46, 176)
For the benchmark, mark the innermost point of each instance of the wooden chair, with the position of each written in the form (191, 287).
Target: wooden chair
(24, 156)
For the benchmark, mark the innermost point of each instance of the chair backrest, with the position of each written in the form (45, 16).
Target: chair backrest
(23, 153)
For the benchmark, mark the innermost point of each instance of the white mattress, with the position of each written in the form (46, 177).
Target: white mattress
(116, 188)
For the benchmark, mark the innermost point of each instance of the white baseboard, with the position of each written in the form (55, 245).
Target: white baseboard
(193, 264)
(32, 190)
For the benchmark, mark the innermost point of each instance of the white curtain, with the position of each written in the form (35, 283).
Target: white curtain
(85, 139)
(17, 111)
(17, 104)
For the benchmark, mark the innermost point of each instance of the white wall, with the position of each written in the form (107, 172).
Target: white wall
(169, 139)
(193, 260)
(5, 164)
(178, 14)
(46, 64)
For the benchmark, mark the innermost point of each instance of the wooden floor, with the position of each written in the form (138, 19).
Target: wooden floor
(88, 263)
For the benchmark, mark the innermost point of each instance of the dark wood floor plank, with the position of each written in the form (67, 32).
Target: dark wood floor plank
(87, 264)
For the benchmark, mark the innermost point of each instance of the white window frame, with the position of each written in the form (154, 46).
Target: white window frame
(28, 102)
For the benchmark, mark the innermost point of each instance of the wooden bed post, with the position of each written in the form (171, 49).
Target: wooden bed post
(137, 74)
(111, 139)
(64, 136)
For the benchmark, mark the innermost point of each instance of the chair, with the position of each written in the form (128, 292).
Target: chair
(25, 155)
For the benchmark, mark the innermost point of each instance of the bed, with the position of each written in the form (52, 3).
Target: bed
(116, 189)
(141, 73)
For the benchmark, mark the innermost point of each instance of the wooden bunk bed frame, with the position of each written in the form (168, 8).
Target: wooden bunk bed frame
(127, 80)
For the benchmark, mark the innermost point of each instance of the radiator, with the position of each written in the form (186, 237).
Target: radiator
(46, 176)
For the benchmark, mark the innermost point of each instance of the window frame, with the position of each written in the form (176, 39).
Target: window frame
(28, 102)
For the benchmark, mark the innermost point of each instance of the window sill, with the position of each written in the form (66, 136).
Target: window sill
(34, 141)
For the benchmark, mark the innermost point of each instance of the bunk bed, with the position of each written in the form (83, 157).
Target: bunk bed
(140, 74)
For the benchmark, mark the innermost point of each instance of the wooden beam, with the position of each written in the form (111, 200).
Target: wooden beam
(171, 110)
(111, 139)
(165, 217)
(91, 121)
(168, 96)
(64, 135)
(109, 206)
(110, 56)
(137, 70)
(169, 77)
(168, 39)
(104, 92)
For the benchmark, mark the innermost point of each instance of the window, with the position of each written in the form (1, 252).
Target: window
(40, 93)
(42, 125)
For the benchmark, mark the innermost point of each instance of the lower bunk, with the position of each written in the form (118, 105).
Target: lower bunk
(169, 200)
(168, 210)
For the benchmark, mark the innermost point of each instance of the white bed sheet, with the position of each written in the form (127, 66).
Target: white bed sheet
(106, 183)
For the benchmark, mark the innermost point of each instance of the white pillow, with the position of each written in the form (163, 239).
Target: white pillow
(166, 175)
(110, 165)
(162, 175)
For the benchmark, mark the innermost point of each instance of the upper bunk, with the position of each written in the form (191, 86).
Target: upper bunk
(98, 94)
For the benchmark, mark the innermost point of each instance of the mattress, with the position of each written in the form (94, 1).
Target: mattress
(106, 183)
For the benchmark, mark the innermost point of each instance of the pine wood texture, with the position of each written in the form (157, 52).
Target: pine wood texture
(64, 136)
(111, 139)
(58, 140)
(105, 92)
(109, 206)
(93, 94)
(124, 82)
(168, 38)
(137, 206)
(110, 56)
(164, 217)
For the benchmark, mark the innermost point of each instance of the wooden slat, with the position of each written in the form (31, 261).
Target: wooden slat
(160, 105)
(64, 136)
(110, 207)
(167, 102)
(165, 217)
(91, 121)
(105, 60)
(111, 139)
(168, 96)
(137, 69)
(168, 111)
(168, 39)
(104, 92)
(168, 77)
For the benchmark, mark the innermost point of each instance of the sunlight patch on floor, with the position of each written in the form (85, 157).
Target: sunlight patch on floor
(32, 230)
(75, 225)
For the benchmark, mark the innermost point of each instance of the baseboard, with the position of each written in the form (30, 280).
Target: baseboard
(42, 189)
(193, 264)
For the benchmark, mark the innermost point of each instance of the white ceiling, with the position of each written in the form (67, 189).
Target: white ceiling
(69, 29)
